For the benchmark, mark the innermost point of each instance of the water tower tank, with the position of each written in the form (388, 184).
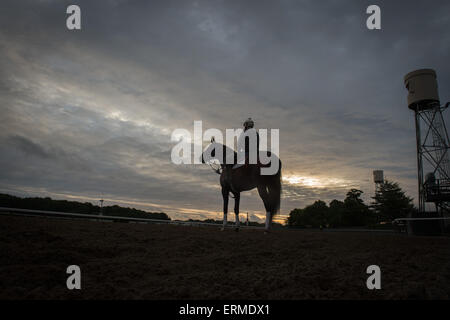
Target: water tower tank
(378, 176)
(422, 89)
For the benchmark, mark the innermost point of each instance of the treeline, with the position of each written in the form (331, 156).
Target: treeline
(49, 204)
(389, 203)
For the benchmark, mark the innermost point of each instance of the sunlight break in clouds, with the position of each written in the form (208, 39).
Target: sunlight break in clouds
(317, 182)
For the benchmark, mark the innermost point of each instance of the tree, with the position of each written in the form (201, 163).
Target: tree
(314, 215)
(317, 214)
(390, 202)
(350, 212)
(335, 213)
(356, 212)
(294, 218)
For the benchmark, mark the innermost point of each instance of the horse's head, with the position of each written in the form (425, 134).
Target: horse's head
(210, 151)
(219, 153)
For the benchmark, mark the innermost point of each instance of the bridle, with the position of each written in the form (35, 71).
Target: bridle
(217, 169)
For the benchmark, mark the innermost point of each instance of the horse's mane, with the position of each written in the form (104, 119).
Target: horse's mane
(226, 149)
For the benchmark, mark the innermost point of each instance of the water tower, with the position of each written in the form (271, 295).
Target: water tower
(431, 138)
(378, 179)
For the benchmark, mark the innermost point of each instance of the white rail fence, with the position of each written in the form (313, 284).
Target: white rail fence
(67, 215)
(57, 214)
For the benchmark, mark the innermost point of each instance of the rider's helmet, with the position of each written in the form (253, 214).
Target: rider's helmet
(249, 123)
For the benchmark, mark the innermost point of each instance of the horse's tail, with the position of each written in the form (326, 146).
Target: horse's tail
(276, 194)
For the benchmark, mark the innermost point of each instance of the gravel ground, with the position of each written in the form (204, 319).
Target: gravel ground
(140, 261)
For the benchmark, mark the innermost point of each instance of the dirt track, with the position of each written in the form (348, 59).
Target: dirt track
(137, 261)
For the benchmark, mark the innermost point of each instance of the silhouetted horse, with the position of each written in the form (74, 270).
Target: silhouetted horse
(245, 178)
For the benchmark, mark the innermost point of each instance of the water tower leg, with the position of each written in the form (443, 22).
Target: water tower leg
(419, 165)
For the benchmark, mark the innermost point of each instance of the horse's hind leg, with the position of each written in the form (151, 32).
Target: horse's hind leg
(237, 198)
(225, 196)
(265, 198)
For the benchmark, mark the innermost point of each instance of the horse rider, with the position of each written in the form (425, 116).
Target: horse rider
(243, 148)
(244, 144)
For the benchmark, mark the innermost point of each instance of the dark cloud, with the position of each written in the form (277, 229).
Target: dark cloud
(28, 147)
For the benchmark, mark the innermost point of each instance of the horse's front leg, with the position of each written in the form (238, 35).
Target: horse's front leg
(237, 198)
(225, 196)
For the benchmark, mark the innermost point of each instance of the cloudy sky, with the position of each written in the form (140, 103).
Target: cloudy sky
(89, 114)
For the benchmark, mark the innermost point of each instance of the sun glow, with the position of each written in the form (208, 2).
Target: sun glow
(315, 182)
(117, 115)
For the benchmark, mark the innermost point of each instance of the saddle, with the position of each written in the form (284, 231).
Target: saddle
(246, 164)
